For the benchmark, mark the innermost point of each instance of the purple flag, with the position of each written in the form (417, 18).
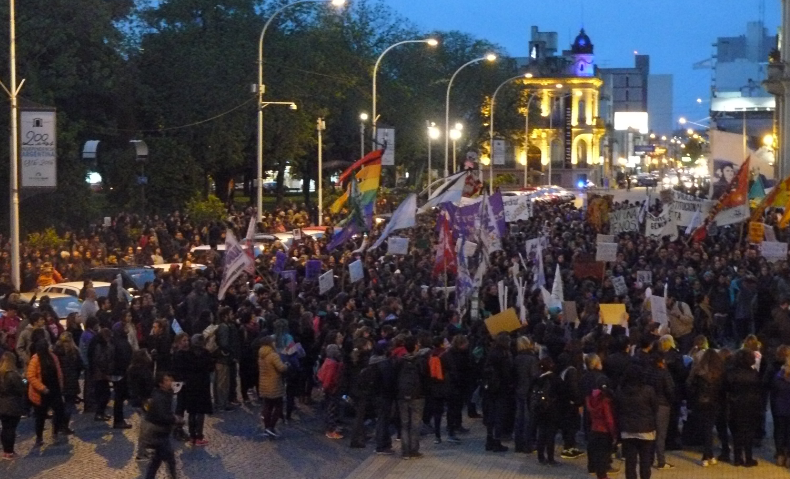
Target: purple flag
(279, 262)
(312, 269)
(498, 208)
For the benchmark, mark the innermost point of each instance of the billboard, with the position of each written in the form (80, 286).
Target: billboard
(37, 149)
(637, 120)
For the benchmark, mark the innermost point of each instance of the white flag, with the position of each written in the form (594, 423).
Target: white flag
(696, 222)
(403, 217)
(557, 294)
(236, 263)
(451, 191)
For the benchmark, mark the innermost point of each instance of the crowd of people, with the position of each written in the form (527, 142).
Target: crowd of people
(390, 358)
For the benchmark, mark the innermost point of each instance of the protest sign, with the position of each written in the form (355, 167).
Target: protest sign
(684, 207)
(624, 220)
(585, 266)
(768, 230)
(604, 239)
(620, 288)
(756, 232)
(297, 234)
(517, 208)
(312, 269)
(177, 329)
(355, 271)
(644, 277)
(612, 313)
(397, 245)
(606, 252)
(656, 227)
(506, 321)
(326, 282)
(279, 262)
(658, 309)
(290, 275)
(569, 312)
(773, 251)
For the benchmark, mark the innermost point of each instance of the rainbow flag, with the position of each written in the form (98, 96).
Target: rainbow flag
(778, 197)
(368, 179)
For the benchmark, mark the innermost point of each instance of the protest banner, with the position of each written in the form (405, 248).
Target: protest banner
(606, 252)
(684, 207)
(644, 277)
(517, 208)
(624, 220)
(355, 271)
(658, 309)
(620, 288)
(613, 313)
(598, 207)
(756, 232)
(326, 282)
(506, 321)
(604, 238)
(656, 227)
(773, 251)
(397, 245)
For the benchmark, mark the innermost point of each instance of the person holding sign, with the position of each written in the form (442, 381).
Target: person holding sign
(681, 323)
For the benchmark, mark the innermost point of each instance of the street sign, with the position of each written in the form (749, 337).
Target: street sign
(499, 152)
(38, 149)
(386, 136)
(644, 148)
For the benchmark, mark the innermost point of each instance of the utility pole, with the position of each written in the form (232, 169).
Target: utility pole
(320, 127)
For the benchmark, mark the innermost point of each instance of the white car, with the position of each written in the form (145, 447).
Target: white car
(63, 304)
(73, 288)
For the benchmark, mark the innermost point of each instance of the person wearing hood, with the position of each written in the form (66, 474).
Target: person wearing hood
(637, 408)
(603, 430)
(544, 407)
(330, 375)
(271, 370)
(411, 372)
(158, 421)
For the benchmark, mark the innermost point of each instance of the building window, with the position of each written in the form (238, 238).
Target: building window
(626, 81)
(626, 95)
(582, 114)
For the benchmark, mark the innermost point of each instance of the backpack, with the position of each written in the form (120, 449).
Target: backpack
(210, 333)
(409, 379)
(368, 380)
(541, 397)
(435, 368)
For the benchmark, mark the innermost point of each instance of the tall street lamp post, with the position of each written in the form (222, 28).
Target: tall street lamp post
(491, 130)
(433, 134)
(363, 117)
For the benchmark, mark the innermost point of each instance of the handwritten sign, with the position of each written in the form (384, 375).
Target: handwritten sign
(612, 313)
(624, 221)
(604, 239)
(773, 251)
(658, 309)
(644, 277)
(606, 252)
(326, 282)
(355, 271)
(756, 232)
(517, 208)
(397, 245)
(620, 288)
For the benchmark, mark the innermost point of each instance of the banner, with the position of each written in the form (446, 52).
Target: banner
(279, 262)
(656, 227)
(644, 277)
(598, 210)
(606, 252)
(773, 251)
(684, 207)
(624, 220)
(37, 149)
(613, 313)
(517, 208)
(312, 269)
(756, 232)
(235, 263)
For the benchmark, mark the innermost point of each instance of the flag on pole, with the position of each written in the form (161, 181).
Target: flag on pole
(367, 183)
(778, 197)
(403, 217)
(235, 264)
(757, 191)
(450, 192)
(736, 197)
(445, 253)
(249, 242)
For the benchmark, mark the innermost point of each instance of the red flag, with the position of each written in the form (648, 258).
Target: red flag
(372, 156)
(446, 260)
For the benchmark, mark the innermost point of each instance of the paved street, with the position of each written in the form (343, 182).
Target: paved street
(237, 451)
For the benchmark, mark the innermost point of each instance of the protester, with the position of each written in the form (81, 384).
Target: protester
(196, 389)
(46, 391)
(271, 370)
(157, 425)
(12, 392)
(637, 408)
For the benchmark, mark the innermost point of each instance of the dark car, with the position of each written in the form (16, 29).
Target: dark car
(134, 277)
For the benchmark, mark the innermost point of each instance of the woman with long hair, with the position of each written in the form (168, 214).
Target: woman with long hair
(12, 398)
(705, 392)
(46, 390)
(71, 366)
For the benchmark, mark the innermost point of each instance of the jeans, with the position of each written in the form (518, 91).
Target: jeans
(120, 394)
(411, 419)
(162, 453)
(662, 424)
(707, 420)
(8, 434)
(383, 418)
(195, 423)
(637, 450)
(272, 411)
(782, 435)
(58, 413)
(521, 432)
(221, 386)
(599, 453)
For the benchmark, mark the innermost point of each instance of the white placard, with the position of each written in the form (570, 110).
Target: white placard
(326, 281)
(773, 251)
(620, 288)
(107, 221)
(656, 227)
(644, 277)
(517, 208)
(297, 234)
(499, 152)
(38, 149)
(355, 271)
(386, 136)
(606, 252)
(624, 221)
(770, 235)
(604, 239)
(684, 207)
(658, 308)
(469, 247)
(397, 245)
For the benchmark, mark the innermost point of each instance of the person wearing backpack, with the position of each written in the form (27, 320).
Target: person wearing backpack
(544, 408)
(438, 390)
(411, 374)
(498, 389)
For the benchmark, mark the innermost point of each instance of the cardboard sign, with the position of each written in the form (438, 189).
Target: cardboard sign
(756, 232)
(176, 326)
(107, 221)
(604, 239)
(606, 252)
(517, 208)
(658, 308)
(355, 271)
(312, 269)
(506, 321)
(624, 221)
(569, 312)
(620, 288)
(644, 277)
(612, 313)
(773, 251)
(469, 247)
(397, 245)
(326, 282)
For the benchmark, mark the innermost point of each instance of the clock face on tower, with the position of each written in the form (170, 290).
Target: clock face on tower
(583, 66)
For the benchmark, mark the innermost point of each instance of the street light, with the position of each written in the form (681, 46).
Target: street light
(363, 117)
(455, 135)
(490, 58)
(682, 120)
(261, 88)
(490, 164)
(433, 134)
(768, 140)
(374, 118)
(320, 127)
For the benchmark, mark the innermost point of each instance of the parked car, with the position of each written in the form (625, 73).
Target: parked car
(646, 179)
(63, 304)
(169, 266)
(134, 278)
(73, 288)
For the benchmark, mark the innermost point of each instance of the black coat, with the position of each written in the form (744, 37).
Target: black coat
(636, 408)
(12, 394)
(196, 393)
(70, 367)
(744, 394)
(526, 371)
(158, 420)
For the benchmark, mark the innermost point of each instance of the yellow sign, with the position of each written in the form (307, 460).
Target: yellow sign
(756, 232)
(506, 321)
(613, 314)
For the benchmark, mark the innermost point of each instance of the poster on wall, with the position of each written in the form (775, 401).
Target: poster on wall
(38, 149)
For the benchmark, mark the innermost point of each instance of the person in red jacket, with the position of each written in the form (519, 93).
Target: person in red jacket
(603, 430)
(330, 375)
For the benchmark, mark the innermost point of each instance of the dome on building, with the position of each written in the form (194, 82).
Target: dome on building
(582, 44)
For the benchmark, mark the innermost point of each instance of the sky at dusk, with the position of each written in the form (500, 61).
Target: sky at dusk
(675, 33)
